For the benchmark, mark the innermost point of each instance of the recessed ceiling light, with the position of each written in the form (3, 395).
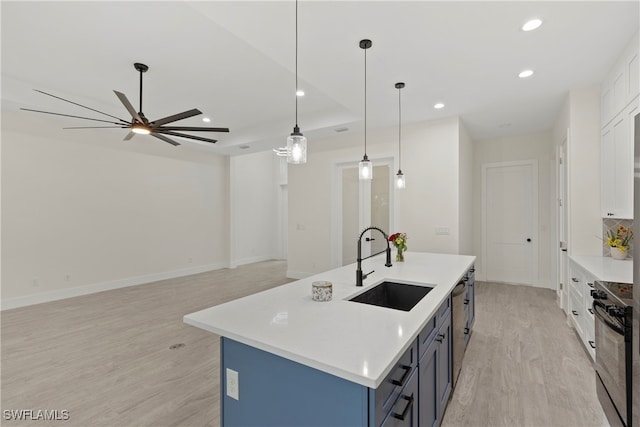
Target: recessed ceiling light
(525, 73)
(531, 25)
(438, 106)
(206, 119)
(299, 92)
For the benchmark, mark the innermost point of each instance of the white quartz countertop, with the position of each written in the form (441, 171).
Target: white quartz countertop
(354, 341)
(606, 268)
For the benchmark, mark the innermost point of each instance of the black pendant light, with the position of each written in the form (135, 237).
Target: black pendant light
(400, 180)
(365, 168)
(296, 142)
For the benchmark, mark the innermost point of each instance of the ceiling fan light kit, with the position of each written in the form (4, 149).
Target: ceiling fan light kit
(139, 124)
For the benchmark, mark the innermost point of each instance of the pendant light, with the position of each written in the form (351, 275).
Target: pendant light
(365, 168)
(296, 142)
(400, 180)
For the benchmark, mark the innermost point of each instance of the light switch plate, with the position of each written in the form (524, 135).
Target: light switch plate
(233, 386)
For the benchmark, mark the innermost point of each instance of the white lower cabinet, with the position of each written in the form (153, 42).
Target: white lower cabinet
(580, 306)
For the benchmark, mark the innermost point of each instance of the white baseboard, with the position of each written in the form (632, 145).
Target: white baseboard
(8, 303)
(298, 274)
(252, 260)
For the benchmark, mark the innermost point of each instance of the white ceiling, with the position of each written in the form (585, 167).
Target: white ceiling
(234, 61)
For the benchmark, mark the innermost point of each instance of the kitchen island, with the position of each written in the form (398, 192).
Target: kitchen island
(289, 360)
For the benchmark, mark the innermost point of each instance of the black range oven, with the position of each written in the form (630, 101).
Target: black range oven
(612, 307)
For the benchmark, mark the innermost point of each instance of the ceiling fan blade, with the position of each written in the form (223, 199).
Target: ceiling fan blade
(69, 115)
(80, 105)
(129, 136)
(123, 98)
(96, 127)
(176, 117)
(194, 129)
(182, 135)
(165, 139)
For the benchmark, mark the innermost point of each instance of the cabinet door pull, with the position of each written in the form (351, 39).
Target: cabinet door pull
(466, 331)
(407, 371)
(592, 344)
(574, 280)
(440, 337)
(407, 408)
(590, 284)
(590, 310)
(575, 313)
(466, 301)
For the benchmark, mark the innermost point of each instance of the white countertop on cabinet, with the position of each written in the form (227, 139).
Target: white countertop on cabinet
(606, 268)
(354, 341)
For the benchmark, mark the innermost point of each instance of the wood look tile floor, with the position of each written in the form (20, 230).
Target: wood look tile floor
(106, 357)
(524, 365)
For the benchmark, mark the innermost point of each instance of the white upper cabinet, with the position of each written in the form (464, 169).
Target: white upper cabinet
(617, 165)
(622, 84)
(619, 103)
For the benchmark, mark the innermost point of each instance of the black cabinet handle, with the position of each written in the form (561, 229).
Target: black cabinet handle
(574, 280)
(575, 313)
(592, 344)
(440, 337)
(407, 408)
(407, 371)
(466, 301)
(590, 284)
(590, 310)
(466, 331)
(529, 239)
(472, 270)
(563, 250)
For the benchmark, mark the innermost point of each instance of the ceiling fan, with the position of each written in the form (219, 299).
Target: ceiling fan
(139, 124)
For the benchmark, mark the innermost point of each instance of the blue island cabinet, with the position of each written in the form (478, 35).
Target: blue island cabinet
(275, 391)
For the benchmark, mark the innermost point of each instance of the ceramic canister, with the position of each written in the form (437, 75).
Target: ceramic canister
(321, 291)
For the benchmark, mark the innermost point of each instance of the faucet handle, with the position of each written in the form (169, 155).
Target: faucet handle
(364, 276)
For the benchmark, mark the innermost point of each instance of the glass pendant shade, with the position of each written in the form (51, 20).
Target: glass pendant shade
(296, 147)
(400, 180)
(365, 168)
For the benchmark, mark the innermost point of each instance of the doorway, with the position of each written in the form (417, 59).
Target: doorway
(358, 205)
(510, 221)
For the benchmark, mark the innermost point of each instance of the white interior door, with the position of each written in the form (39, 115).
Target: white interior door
(363, 204)
(510, 209)
(563, 238)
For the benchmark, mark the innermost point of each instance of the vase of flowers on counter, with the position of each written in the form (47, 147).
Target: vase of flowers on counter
(618, 240)
(399, 240)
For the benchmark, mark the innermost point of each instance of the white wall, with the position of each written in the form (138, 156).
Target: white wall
(254, 207)
(81, 215)
(431, 199)
(536, 146)
(466, 208)
(583, 148)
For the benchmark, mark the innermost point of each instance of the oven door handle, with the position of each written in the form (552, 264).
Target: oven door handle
(597, 306)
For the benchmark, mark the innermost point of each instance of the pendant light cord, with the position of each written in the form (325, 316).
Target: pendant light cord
(365, 102)
(296, 63)
(399, 130)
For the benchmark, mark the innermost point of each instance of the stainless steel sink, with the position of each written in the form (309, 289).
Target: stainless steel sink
(398, 296)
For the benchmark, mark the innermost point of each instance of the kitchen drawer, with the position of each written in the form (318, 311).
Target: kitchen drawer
(404, 412)
(577, 311)
(429, 331)
(387, 393)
